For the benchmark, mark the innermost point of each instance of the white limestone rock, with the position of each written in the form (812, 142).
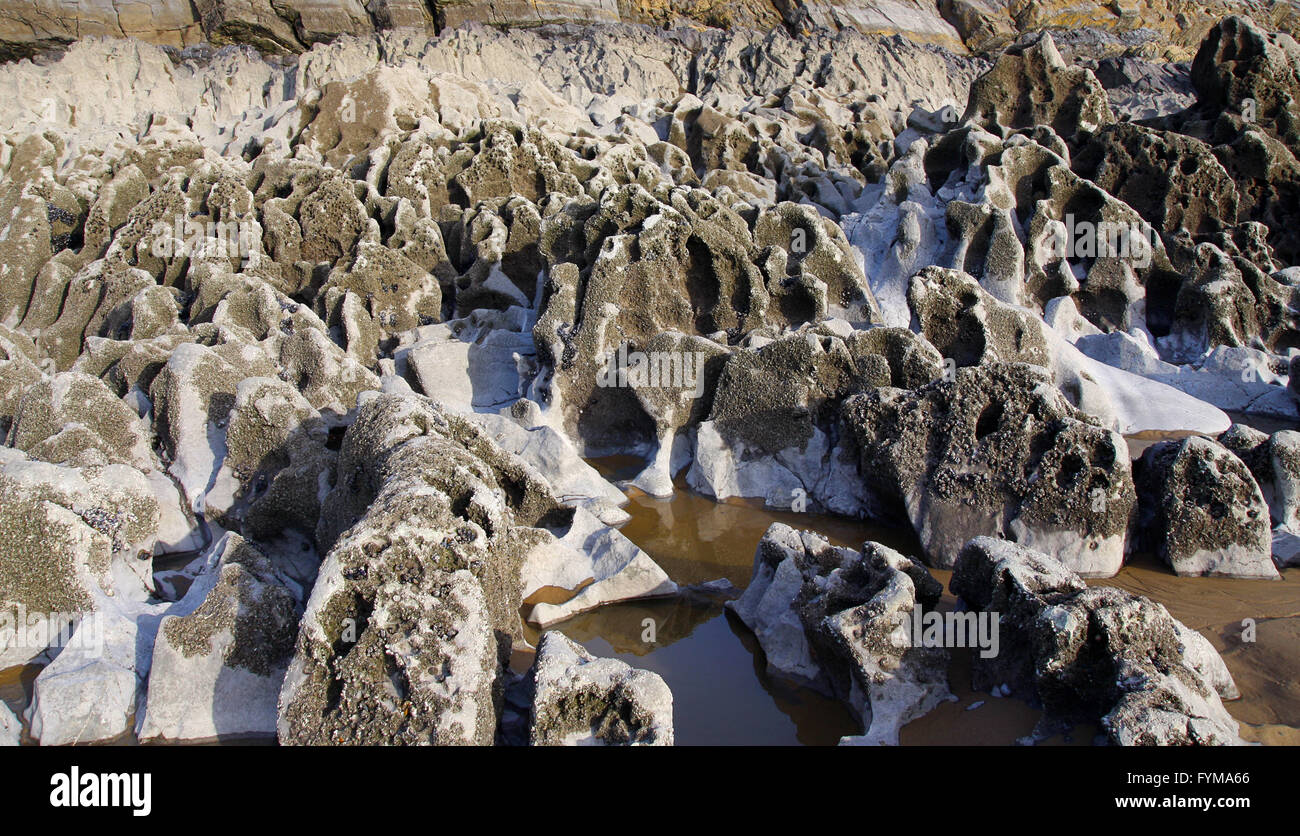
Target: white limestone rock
(576, 483)
(590, 551)
(839, 620)
(90, 692)
(467, 375)
(217, 670)
(582, 700)
(11, 730)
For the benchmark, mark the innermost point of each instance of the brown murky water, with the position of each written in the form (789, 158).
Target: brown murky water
(722, 694)
(16, 687)
(1140, 441)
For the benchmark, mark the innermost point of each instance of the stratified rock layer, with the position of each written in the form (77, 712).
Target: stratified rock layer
(1170, 27)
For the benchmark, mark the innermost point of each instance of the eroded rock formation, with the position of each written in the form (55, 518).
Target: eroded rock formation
(841, 621)
(1097, 654)
(300, 355)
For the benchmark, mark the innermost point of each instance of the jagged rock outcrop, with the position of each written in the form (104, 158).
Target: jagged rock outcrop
(1132, 163)
(996, 449)
(1240, 60)
(580, 700)
(970, 326)
(412, 617)
(1202, 510)
(375, 299)
(1159, 234)
(1094, 654)
(410, 624)
(201, 307)
(1031, 85)
(695, 267)
(841, 621)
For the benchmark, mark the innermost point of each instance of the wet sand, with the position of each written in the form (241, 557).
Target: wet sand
(1267, 671)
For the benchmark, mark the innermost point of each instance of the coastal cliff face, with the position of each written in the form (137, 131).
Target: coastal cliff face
(1169, 29)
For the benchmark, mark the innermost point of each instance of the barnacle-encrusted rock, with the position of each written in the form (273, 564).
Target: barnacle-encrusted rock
(579, 699)
(276, 461)
(50, 406)
(1093, 654)
(970, 326)
(771, 426)
(71, 540)
(192, 397)
(418, 598)
(1274, 461)
(641, 265)
(1032, 85)
(1202, 510)
(18, 371)
(996, 449)
(1174, 181)
(840, 620)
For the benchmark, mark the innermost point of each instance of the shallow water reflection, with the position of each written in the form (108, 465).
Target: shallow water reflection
(723, 695)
